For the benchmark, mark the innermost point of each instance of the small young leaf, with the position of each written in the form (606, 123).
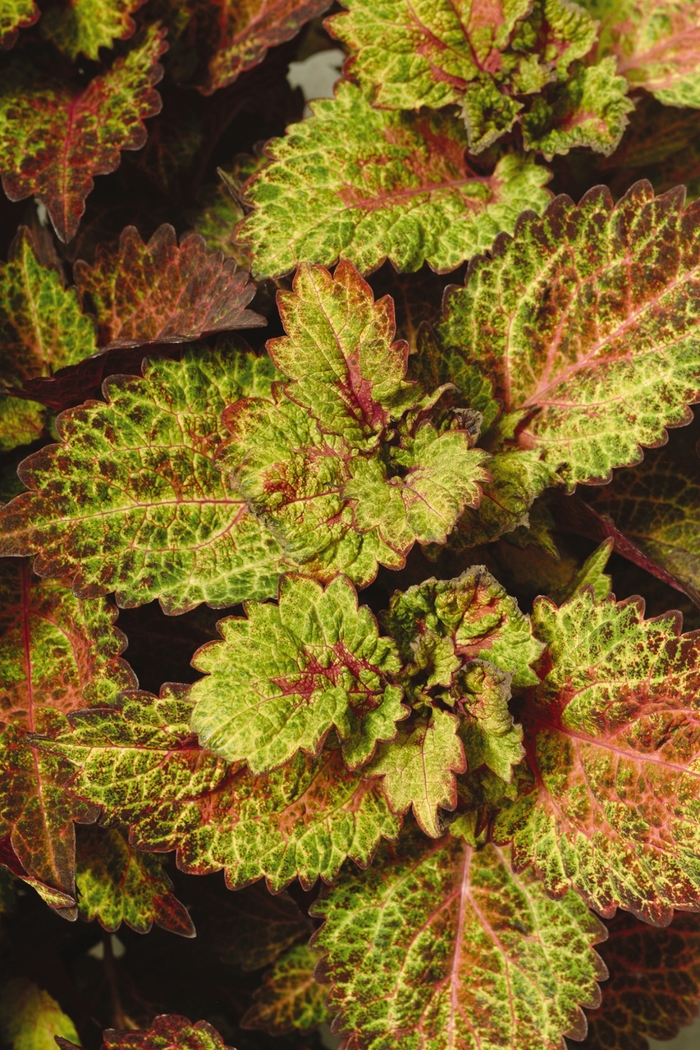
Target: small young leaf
(132, 500)
(42, 328)
(290, 996)
(84, 26)
(369, 185)
(117, 883)
(592, 329)
(613, 737)
(57, 654)
(30, 1018)
(654, 984)
(440, 945)
(488, 732)
(141, 763)
(340, 353)
(474, 611)
(159, 292)
(419, 768)
(287, 674)
(54, 140)
(657, 45)
(168, 1032)
(591, 574)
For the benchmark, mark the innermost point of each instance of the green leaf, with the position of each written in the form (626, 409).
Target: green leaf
(119, 884)
(290, 997)
(53, 140)
(84, 26)
(161, 293)
(141, 763)
(657, 506)
(340, 354)
(439, 944)
(612, 736)
(657, 45)
(15, 15)
(30, 1017)
(220, 208)
(654, 983)
(368, 185)
(419, 769)
(132, 499)
(21, 422)
(474, 612)
(488, 732)
(589, 109)
(42, 327)
(57, 654)
(286, 674)
(592, 332)
(490, 59)
(591, 574)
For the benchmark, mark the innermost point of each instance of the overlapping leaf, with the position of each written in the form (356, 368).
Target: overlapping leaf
(168, 1032)
(657, 45)
(132, 500)
(290, 996)
(439, 945)
(15, 15)
(30, 1018)
(21, 422)
(42, 327)
(286, 674)
(57, 654)
(256, 927)
(142, 764)
(613, 736)
(368, 185)
(654, 983)
(159, 292)
(119, 884)
(53, 140)
(493, 60)
(587, 321)
(655, 505)
(84, 26)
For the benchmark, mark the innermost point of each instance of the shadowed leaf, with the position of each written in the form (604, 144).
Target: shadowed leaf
(30, 1018)
(119, 884)
(290, 997)
(161, 293)
(54, 140)
(439, 945)
(84, 26)
(370, 185)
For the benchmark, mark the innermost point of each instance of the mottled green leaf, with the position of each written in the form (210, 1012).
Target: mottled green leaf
(30, 1018)
(56, 654)
(220, 208)
(654, 983)
(132, 500)
(613, 737)
(168, 1032)
(84, 26)
(368, 185)
(21, 422)
(161, 293)
(657, 506)
(290, 997)
(141, 763)
(487, 730)
(438, 946)
(339, 351)
(15, 15)
(657, 45)
(419, 769)
(489, 57)
(286, 674)
(475, 614)
(53, 140)
(42, 327)
(589, 109)
(587, 321)
(119, 884)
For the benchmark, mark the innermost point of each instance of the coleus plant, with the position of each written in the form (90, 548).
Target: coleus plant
(349, 525)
